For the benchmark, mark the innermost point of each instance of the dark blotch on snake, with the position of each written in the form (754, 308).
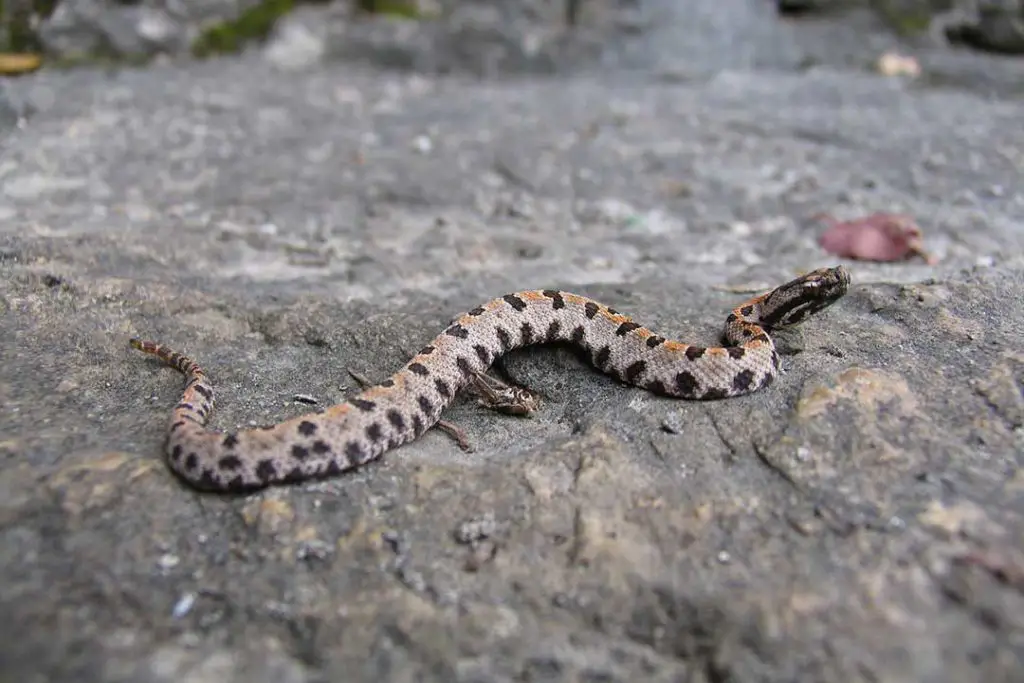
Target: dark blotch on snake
(418, 369)
(602, 356)
(556, 298)
(747, 310)
(686, 384)
(417, 425)
(176, 452)
(504, 338)
(457, 331)
(363, 404)
(354, 452)
(694, 352)
(300, 452)
(590, 309)
(229, 462)
(426, 350)
(742, 381)
(656, 387)
(396, 419)
(714, 394)
(203, 391)
(479, 310)
(553, 329)
(425, 405)
(387, 383)
(442, 388)
(374, 433)
(307, 428)
(655, 341)
(626, 327)
(265, 470)
(514, 301)
(482, 353)
(191, 461)
(577, 335)
(208, 481)
(177, 425)
(320, 447)
(634, 371)
(526, 332)
(736, 352)
(464, 366)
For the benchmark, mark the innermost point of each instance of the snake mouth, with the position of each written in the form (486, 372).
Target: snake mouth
(806, 295)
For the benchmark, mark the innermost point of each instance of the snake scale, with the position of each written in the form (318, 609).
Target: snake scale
(401, 408)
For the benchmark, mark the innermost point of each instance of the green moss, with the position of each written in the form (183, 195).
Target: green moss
(97, 61)
(399, 8)
(18, 35)
(222, 38)
(902, 19)
(253, 24)
(256, 23)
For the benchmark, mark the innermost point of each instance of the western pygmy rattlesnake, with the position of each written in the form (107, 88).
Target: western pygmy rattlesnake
(402, 407)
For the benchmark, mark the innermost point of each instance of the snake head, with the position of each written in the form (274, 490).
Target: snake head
(790, 303)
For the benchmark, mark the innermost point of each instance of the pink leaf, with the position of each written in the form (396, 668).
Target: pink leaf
(878, 237)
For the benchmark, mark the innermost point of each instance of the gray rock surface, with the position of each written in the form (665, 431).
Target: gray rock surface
(860, 520)
(481, 36)
(991, 25)
(9, 114)
(535, 36)
(86, 28)
(987, 25)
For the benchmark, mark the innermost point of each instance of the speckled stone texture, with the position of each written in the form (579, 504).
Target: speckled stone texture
(859, 520)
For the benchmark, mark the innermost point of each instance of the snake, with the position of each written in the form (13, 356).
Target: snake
(402, 407)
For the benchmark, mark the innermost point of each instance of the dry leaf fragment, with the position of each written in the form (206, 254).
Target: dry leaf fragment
(895, 64)
(12, 63)
(878, 237)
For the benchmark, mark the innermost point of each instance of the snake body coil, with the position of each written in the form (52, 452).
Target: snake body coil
(401, 408)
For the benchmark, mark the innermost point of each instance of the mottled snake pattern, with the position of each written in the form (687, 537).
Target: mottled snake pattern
(402, 407)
